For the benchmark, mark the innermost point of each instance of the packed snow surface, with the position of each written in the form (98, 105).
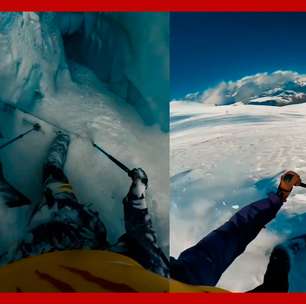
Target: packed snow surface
(224, 157)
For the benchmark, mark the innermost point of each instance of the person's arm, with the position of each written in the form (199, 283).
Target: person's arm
(138, 223)
(244, 226)
(205, 262)
(139, 227)
(252, 218)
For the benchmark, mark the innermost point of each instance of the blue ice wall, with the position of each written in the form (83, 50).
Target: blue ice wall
(127, 51)
(32, 57)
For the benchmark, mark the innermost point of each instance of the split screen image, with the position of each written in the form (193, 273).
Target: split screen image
(152, 152)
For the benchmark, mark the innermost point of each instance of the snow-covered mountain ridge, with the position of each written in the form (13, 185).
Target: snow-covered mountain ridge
(280, 88)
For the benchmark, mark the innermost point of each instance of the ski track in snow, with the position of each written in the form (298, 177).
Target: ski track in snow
(223, 158)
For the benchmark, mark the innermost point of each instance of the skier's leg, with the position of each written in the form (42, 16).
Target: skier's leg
(140, 237)
(61, 222)
(56, 184)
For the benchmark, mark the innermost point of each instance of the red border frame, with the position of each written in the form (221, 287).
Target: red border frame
(154, 5)
(150, 298)
(143, 298)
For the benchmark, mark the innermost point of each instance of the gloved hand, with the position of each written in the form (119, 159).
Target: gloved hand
(287, 182)
(139, 183)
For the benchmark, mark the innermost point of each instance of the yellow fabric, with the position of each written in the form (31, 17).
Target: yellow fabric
(66, 188)
(58, 187)
(87, 271)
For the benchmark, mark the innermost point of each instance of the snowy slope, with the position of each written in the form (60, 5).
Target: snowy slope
(225, 157)
(36, 75)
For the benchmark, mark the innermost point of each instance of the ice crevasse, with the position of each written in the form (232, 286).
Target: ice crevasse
(128, 51)
(101, 75)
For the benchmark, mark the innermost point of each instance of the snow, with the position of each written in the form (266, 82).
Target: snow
(221, 159)
(37, 75)
(266, 99)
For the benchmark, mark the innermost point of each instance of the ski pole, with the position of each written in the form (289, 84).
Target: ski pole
(36, 127)
(113, 159)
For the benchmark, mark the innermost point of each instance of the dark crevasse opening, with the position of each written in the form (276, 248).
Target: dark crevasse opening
(129, 52)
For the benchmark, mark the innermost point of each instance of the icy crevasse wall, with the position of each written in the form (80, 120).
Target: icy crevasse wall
(28, 43)
(39, 73)
(129, 51)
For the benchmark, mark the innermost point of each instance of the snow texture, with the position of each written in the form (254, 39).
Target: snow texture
(223, 158)
(39, 73)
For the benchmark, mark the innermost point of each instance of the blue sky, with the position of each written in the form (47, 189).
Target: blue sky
(207, 48)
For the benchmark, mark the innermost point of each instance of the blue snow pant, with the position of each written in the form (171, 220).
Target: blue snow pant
(204, 263)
